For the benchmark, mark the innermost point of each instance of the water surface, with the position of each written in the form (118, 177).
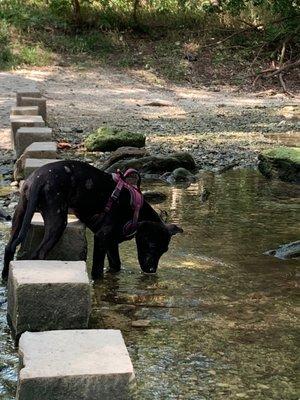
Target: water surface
(220, 314)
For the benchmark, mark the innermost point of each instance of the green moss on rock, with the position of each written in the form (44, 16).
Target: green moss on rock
(106, 139)
(282, 163)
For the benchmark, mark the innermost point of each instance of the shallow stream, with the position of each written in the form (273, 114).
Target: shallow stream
(220, 315)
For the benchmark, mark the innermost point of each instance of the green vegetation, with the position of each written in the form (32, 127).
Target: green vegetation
(106, 139)
(281, 162)
(174, 39)
(284, 153)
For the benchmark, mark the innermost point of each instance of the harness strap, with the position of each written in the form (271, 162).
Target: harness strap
(136, 198)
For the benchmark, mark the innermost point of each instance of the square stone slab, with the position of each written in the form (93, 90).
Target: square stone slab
(25, 110)
(26, 136)
(41, 150)
(44, 150)
(31, 164)
(45, 295)
(34, 101)
(74, 365)
(72, 246)
(33, 93)
(19, 121)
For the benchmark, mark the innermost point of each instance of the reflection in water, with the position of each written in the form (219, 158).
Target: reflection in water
(221, 314)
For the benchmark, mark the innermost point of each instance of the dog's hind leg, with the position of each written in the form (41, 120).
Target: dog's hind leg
(10, 248)
(54, 226)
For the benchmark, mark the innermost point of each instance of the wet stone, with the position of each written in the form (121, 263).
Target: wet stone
(46, 295)
(19, 121)
(25, 136)
(25, 110)
(31, 164)
(72, 246)
(74, 365)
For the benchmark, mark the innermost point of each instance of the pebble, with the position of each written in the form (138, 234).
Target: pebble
(140, 323)
(12, 205)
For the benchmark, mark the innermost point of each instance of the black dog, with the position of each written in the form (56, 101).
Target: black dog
(57, 187)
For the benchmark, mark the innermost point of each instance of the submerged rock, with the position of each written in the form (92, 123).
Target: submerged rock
(124, 153)
(4, 215)
(204, 195)
(106, 139)
(180, 175)
(282, 163)
(156, 165)
(290, 250)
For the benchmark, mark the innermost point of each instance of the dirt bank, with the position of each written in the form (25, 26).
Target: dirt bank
(220, 126)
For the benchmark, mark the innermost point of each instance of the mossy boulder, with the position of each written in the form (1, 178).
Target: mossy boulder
(106, 139)
(282, 163)
(156, 165)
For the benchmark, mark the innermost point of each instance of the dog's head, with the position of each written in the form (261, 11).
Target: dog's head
(152, 240)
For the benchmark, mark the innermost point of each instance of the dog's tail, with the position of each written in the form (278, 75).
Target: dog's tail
(30, 209)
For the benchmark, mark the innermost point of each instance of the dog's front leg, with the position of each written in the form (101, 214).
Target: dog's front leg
(98, 257)
(114, 257)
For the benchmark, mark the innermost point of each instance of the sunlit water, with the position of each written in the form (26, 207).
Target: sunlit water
(220, 314)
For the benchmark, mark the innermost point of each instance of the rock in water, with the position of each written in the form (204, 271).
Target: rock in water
(124, 153)
(204, 195)
(286, 251)
(4, 215)
(181, 175)
(156, 165)
(282, 163)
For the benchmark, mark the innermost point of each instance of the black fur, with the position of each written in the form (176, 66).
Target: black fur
(57, 187)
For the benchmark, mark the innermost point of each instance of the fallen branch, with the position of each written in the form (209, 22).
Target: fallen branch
(284, 68)
(270, 72)
(281, 80)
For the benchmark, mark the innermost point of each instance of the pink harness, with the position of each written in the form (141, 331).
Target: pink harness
(136, 198)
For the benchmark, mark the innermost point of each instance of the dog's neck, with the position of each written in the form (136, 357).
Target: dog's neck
(148, 213)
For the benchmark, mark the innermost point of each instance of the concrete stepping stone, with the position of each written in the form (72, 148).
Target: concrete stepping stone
(43, 150)
(45, 295)
(74, 365)
(72, 246)
(38, 102)
(31, 164)
(27, 135)
(18, 121)
(33, 93)
(34, 110)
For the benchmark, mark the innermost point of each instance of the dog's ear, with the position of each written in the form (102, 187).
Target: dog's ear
(174, 229)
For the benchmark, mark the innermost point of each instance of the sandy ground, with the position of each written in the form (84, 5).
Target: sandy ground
(217, 125)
